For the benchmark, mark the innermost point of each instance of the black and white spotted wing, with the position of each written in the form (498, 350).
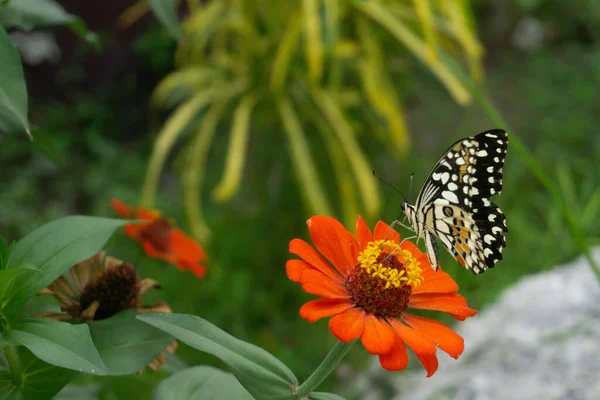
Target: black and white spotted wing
(454, 202)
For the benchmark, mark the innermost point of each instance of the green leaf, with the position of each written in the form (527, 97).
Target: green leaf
(30, 14)
(58, 343)
(8, 390)
(263, 375)
(53, 249)
(122, 387)
(166, 12)
(79, 392)
(126, 344)
(39, 380)
(13, 92)
(50, 145)
(324, 396)
(5, 252)
(201, 382)
(7, 279)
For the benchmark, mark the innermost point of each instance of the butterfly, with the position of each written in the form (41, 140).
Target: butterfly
(454, 203)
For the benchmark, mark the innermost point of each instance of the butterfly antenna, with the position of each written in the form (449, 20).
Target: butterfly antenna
(387, 183)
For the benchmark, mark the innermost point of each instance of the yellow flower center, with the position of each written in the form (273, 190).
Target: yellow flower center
(383, 279)
(410, 275)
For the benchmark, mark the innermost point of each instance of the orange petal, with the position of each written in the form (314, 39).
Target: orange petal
(195, 268)
(334, 242)
(424, 262)
(132, 231)
(294, 269)
(378, 337)
(121, 208)
(384, 232)
(185, 247)
(436, 282)
(423, 347)
(363, 233)
(151, 250)
(314, 282)
(452, 303)
(444, 337)
(305, 251)
(348, 325)
(199, 270)
(397, 358)
(148, 215)
(317, 309)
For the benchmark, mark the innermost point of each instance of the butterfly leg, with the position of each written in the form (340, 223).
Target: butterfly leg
(416, 243)
(398, 246)
(408, 238)
(394, 223)
(398, 222)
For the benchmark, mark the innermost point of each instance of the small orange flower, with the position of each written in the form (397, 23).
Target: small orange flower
(161, 240)
(375, 278)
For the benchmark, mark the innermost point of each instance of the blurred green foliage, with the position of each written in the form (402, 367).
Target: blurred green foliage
(99, 149)
(566, 23)
(27, 15)
(310, 76)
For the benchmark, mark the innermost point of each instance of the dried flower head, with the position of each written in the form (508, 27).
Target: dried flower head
(100, 287)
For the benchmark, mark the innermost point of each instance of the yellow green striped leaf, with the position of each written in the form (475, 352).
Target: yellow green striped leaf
(236, 152)
(464, 35)
(302, 161)
(283, 56)
(346, 183)
(415, 45)
(423, 8)
(185, 80)
(358, 162)
(313, 42)
(379, 89)
(167, 137)
(194, 173)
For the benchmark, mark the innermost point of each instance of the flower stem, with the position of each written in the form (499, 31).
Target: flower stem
(336, 355)
(14, 364)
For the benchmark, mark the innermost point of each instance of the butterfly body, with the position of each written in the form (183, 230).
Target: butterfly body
(454, 203)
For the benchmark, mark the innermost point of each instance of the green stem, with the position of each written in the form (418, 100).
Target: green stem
(14, 364)
(327, 366)
(532, 164)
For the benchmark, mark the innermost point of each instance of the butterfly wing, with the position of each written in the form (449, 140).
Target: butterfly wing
(489, 218)
(432, 250)
(465, 178)
(459, 234)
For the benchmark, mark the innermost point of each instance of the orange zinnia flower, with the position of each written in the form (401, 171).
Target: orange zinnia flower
(374, 279)
(160, 240)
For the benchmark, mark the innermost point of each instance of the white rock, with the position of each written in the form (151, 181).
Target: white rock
(540, 340)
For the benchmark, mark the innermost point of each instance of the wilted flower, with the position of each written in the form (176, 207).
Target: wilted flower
(367, 286)
(100, 287)
(161, 240)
